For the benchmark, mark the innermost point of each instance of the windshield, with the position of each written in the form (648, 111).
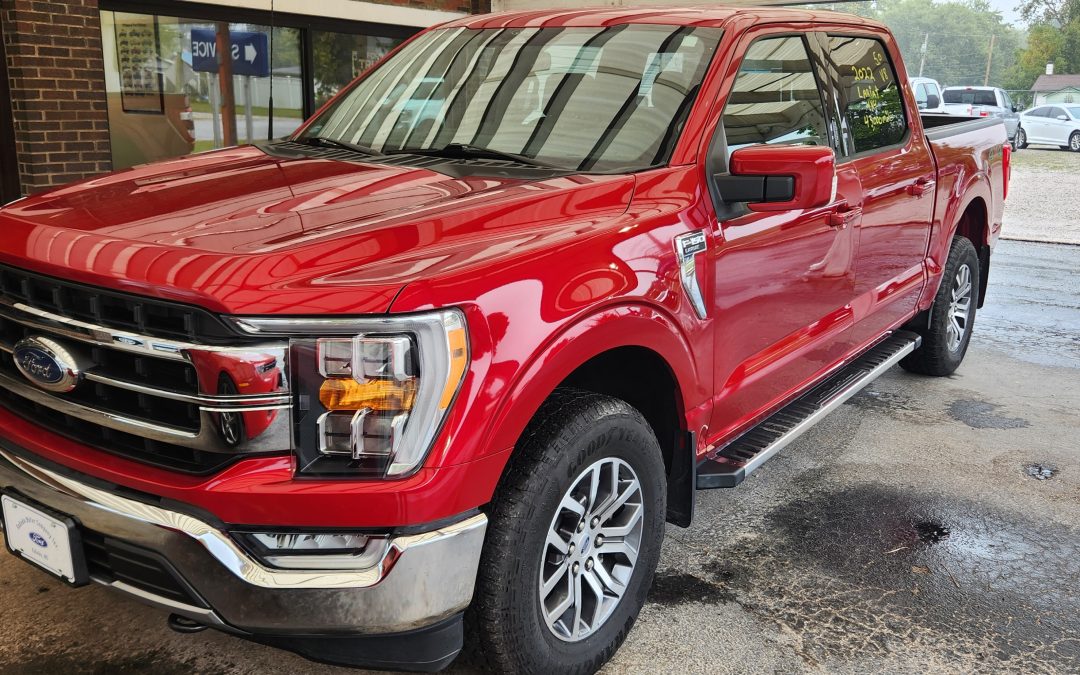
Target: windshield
(583, 99)
(1075, 112)
(971, 96)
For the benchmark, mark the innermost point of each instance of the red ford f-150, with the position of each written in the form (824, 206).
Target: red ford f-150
(454, 352)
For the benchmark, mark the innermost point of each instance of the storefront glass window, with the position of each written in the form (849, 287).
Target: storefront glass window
(164, 85)
(340, 57)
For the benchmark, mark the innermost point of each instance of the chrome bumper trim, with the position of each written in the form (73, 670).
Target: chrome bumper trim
(422, 579)
(232, 557)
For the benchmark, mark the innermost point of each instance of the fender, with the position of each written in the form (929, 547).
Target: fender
(977, 186)
(628, 325)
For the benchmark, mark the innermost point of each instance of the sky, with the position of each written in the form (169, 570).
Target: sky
(1008, 10)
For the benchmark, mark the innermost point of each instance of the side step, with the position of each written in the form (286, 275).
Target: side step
(730, 464)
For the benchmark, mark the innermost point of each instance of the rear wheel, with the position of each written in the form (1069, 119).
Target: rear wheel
(573, 540)
(952, 316)
(1021, 141)
(1074, 141)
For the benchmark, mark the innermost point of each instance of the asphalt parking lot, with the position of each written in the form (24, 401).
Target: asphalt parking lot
(929, 524)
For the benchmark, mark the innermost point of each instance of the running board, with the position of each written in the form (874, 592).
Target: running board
(730, 464)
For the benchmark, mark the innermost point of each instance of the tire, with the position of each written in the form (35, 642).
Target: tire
(1074, 141)
(943, 348)
(1021, 139)
(572, 433)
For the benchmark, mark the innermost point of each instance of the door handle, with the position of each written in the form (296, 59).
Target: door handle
(842, 214)
(921, 187)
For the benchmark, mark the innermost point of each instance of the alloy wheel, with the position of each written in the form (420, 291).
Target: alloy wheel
(591, 549)
(959, 308)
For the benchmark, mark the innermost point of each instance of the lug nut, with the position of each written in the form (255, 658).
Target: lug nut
(577, 568)
(599, 540)
(595, 521)
(581, 526)
(588, 565)
(572, 547)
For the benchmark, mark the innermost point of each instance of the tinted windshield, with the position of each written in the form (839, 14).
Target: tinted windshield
(971, 96)
(587, 99)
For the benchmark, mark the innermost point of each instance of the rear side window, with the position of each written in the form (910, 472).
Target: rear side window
(775, 97)
(870, 97)
(1038, 112)
(921, 95)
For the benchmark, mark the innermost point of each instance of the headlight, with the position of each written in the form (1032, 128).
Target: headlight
(371, 394)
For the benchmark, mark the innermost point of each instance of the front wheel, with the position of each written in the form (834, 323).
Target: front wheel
(1074, 141)
(1021, 141)
(952, 316)
(573, 539)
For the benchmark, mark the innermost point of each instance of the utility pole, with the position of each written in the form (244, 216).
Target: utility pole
(989, 58)
(922, 61)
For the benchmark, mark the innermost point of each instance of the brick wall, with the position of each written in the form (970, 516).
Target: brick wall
(57, 82)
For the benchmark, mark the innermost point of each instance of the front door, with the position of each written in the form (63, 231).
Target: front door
(897, 177)
(783, 281)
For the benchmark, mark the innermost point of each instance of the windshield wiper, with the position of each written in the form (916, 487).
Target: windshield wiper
(466, 151)
(333, 142)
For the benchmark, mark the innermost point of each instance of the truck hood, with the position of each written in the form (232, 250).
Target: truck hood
(240, 231)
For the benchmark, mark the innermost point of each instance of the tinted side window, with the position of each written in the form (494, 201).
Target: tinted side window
(921, 94)
(1038, 112)
(870, 98)
(1055, 112)
(775, 97)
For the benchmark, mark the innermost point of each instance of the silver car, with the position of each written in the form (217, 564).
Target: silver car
(983, 102)
(1051, 125)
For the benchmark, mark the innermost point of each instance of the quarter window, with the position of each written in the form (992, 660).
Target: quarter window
(775, 98)
(870, 101)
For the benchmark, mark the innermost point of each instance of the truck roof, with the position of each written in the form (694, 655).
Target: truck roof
(703, 15)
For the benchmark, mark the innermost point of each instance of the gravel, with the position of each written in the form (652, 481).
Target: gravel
(1041, 204)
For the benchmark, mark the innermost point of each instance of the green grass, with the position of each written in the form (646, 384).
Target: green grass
(260, 111)
(1047, 158)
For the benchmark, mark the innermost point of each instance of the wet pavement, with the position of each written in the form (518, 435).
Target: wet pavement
(931, 524)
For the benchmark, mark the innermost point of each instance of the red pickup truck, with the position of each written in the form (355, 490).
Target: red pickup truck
(453, 353)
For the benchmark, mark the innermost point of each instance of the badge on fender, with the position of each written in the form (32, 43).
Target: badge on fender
(687, 248)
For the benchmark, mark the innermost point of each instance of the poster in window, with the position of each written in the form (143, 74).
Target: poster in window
(138, 62)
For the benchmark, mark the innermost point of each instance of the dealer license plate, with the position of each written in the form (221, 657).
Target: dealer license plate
(49, 541)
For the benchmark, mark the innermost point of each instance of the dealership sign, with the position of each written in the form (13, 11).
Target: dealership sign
(250, 52)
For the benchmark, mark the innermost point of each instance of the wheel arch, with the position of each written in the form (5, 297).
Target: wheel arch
(637, 354)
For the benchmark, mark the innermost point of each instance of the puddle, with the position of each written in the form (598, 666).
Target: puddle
(874, 570)
(981, 415)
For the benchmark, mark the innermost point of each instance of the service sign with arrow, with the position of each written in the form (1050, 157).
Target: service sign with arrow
(250, 52)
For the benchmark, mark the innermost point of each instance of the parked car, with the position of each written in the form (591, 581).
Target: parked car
(927, 95)
(501, 350)
(1051, 125)
(984, 102)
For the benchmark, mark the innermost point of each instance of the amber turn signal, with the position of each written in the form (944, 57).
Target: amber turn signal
(375, 395)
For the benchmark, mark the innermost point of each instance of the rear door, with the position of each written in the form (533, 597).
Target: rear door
(783, 280)
(1034, 123)
(897, 173)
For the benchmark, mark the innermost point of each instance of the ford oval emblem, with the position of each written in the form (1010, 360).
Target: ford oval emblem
(38, 540)
(46, 363)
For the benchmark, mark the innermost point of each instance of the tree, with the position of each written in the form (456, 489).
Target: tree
(958, 37)
(1054, 37)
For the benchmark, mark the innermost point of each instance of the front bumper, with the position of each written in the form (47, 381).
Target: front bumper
(423, 582)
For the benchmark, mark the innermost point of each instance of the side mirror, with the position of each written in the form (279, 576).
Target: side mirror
(1016, 108)
(779, 177)
(1063, 118)
(933, 100)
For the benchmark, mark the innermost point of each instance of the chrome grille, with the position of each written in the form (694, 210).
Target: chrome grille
(184, 405)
